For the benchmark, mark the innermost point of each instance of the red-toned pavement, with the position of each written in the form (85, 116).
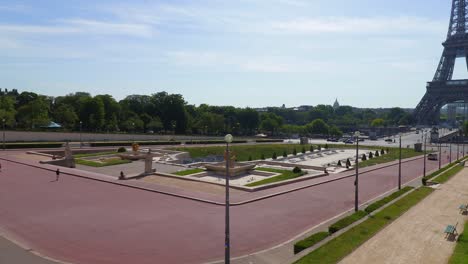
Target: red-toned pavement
(85, 221)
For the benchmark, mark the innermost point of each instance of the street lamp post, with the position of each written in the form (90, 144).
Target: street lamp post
(3, 121)
(133, 129)
(424, 167)
(450, 151)
(356, 182)
(458, 148)
(399, 167)
(227, 247)
(440, 155)
(81, 139)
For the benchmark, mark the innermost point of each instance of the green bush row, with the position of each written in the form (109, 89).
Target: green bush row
(309, 242)
(376, 205)
(31, 145)
(269, 140)
(129, 143)
(347, 221)
(193, 142)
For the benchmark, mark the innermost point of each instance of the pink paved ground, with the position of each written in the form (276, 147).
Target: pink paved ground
(85, 221)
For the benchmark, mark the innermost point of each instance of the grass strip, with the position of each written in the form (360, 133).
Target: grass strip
(285, 175)
(309, 241)
(187, 172)
(109, 162)
(447, 175)
(346, 221)
(95, 154)
(376, 205)
(460, 255)
(339, 247)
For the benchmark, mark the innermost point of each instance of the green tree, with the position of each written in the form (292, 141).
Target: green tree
(7, 110)
(378, 122)
(318, 126)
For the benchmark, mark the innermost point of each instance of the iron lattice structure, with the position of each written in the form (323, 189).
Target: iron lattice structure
(443, 90)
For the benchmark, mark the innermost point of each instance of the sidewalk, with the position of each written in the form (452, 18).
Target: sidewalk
(418, 236)
(12, 253)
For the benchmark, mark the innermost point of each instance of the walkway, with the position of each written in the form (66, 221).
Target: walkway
(417, 236)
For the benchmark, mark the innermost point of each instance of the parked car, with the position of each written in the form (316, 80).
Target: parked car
(349, 141)
(332, 140)
(432, 156)
(388, 140)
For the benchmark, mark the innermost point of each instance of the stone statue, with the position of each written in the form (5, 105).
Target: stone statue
(69, 159)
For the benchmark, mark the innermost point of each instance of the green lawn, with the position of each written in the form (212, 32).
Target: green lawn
(244, 152)
(339, 247)
(95, 154)
(447, 175)
(187, 172)
(309, 241)
(460, 255)
(108, 162)
(285, 175)
(376, 205)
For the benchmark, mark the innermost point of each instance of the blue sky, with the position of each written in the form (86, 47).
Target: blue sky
(256, 53)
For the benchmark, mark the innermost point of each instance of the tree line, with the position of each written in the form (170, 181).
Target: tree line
(170, 113)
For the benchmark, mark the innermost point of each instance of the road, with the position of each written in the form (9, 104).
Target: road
(85, 221)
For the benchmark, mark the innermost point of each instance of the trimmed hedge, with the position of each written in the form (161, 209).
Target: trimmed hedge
(309, 242)
(129, 143)
(346, 221)
(194, 142)
(31, 145)
(269, 140)
(376, 205)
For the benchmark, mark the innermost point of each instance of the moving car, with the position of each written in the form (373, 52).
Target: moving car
(432, 156)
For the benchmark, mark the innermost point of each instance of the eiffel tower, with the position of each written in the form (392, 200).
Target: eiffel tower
(443, 90)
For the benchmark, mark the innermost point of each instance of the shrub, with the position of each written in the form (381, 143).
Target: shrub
(250, 158)
(364, 157)
(382, 152)
(371, 155)
(348, 163)
(128, 143)
(326, 146)
(285, 154)
(377, 153)
(424, 181)
(376, 205)
(303, 150)
(311, 148)
(319, 147)
(32, 145)
(294, 152)
(262, 157)
(346, 221)
(388, 150)
(297, 170)
(274, 156)
(121, 149)
(309, 242)
(339, 163)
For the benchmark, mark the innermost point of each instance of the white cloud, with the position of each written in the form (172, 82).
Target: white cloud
(376, 25)
(81, 26)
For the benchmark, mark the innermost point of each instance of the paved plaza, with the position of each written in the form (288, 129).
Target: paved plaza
(87, 217)
(418, 236)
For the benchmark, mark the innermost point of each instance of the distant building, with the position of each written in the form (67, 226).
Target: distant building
(336, 104)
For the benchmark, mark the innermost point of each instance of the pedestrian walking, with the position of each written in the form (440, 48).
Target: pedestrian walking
(57, 173)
